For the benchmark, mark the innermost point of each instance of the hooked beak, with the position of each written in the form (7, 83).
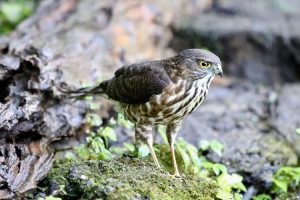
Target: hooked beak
(218, 70)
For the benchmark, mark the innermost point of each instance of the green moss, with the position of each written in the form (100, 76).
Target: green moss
(125, 178)
(278, 150)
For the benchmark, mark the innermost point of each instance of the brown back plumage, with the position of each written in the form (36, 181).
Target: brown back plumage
(137, 83)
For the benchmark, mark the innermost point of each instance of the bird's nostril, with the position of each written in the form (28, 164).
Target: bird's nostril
(218, 70)
(220, 74)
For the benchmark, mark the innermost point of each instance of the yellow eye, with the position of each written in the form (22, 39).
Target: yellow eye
(204, 64)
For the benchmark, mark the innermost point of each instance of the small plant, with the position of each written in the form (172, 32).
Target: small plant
(99, 136)
(96, 147)
(214, 145)
(229, 183)
(285, 178)
(262, 197)
(13, 12)
(285, 181)
(138, 151)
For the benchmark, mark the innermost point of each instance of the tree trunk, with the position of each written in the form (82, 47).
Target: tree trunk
(72, 42)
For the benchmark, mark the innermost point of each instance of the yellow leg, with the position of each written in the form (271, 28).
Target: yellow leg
(144, 133)
(176, 172)
(172, 131)
(150, 146)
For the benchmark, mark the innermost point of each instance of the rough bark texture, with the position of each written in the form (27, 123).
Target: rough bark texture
(22, 167)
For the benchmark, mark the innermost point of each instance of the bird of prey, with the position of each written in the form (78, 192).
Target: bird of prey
(161, 92)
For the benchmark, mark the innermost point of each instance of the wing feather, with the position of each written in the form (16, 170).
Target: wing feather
(137, 83)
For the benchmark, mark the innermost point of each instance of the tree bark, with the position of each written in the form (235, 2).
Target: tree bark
(65, 41)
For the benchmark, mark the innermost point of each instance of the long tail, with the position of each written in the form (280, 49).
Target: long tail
(81, 92)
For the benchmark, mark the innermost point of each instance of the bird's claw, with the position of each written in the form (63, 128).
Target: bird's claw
(176, 175)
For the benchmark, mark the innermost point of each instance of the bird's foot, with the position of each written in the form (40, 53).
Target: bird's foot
(176, 175)
(157, 163)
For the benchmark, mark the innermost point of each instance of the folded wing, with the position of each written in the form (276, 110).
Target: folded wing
(136, 83)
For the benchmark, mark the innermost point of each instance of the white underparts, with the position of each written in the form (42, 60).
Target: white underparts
(166, 111)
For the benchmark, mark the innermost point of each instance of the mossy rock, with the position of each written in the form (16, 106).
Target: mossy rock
(126, 178)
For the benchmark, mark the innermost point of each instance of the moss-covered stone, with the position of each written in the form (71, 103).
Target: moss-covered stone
(125, 178)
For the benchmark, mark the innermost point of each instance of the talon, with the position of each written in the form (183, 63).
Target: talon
(176, 175)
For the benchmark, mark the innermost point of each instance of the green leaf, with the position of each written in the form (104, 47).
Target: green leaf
(218, 168)
(207, 164)
(223, 195)
(117, 150)
(262, 197)
(88, 139)
(51, 198)
(92, 134)
(105, 155)
(95, 147)
(282, 184)
(181, 142)
(109, 133)
(193, 153)
(216, 146)
(285, 177)
(203, 145)
(298, 131)
(70, 156)
(88, 98)
(122, 121)
(162, 131)
(238, 196)
(143, 151)
(86, 84)
(94, 119)
(94, 106)
(12, 11)
(227, 182)
(185, 157)
(130, 147)
(83, 152)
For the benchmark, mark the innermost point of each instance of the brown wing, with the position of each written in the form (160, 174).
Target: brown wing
(137, 83)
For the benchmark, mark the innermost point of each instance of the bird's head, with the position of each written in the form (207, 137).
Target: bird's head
(200, 63)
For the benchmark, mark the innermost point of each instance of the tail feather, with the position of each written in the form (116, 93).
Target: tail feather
(81, 92)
